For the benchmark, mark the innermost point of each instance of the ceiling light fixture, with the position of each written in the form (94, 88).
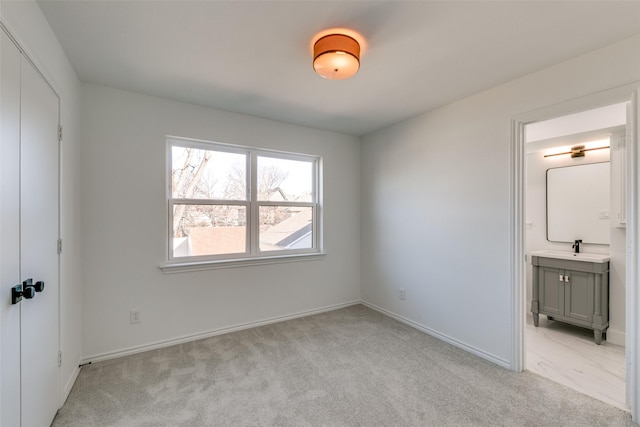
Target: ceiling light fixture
(336, 56)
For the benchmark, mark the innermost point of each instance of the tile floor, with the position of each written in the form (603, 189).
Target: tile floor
(567, 354)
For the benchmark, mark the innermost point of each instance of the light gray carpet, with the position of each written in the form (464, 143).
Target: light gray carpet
(350, 367)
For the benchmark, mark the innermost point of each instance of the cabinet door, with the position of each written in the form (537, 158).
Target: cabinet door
(579, 293)
(551, 289)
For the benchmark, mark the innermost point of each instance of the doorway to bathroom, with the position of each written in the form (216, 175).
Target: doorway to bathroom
(575, 230)
(554, 347)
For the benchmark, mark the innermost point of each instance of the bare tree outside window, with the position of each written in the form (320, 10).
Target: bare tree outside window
(211, 202)
(186, 181)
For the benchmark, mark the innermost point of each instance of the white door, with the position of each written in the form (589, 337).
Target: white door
(9, 231)
(39, 247)
(29, 233)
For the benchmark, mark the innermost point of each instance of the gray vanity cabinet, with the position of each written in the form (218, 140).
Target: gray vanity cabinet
(571, 291)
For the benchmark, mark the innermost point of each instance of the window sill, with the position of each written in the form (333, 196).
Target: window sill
(185, 267)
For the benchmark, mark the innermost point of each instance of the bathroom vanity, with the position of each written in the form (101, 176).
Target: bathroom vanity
(571, 288)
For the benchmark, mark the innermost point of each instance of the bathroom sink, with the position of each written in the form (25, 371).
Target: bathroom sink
(588, 257)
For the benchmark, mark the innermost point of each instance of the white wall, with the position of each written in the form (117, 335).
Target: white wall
(125, 226)
(584, 121)
(436, 209)
(27, 24)
(617, 287)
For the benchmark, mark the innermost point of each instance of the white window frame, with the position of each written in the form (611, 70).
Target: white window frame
(252, 254)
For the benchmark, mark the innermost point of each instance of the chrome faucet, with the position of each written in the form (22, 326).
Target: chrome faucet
(576, 246)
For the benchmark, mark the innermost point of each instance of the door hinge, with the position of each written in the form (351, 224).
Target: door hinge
(59, 246)
(59, 133)
(59, 358)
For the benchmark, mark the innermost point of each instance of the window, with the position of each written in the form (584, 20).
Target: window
(228, 202)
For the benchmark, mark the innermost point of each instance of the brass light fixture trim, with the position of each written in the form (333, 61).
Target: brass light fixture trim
(577, 151)
(336, 55)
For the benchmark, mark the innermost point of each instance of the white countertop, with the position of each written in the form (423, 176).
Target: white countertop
(588, 257)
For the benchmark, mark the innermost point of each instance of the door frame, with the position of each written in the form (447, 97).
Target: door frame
(626, 93)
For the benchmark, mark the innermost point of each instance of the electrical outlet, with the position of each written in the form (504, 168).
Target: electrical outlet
(135, 316)
(403, 294)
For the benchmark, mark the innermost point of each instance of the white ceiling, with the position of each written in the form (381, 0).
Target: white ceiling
(254, 57)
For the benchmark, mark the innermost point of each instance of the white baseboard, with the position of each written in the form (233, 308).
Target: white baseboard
(69, 385)
(206, 334)
(471, 349)
(211, 333)
(615, 336)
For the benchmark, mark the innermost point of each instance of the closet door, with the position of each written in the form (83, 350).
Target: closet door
(29, 117)
(39, 231)
(9, 231)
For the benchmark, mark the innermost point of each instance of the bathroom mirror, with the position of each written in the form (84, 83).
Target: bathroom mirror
(578, 203)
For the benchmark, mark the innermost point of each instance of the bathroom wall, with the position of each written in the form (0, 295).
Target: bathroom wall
(536, 217)
(562, 131)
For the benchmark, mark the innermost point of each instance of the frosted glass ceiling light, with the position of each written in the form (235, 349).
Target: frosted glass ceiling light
(336, 56)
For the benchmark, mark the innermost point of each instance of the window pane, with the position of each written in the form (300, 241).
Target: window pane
(286, 227)
(207, 174)
(285, 180)
(209, 230)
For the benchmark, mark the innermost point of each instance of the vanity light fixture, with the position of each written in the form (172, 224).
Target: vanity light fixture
(576, 151)
(336, 56)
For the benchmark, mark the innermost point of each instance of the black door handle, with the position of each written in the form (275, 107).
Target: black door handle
(20, 291)
(28, 290)
(39, 286)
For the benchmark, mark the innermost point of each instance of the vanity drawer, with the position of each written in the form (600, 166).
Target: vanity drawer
(586, 266)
